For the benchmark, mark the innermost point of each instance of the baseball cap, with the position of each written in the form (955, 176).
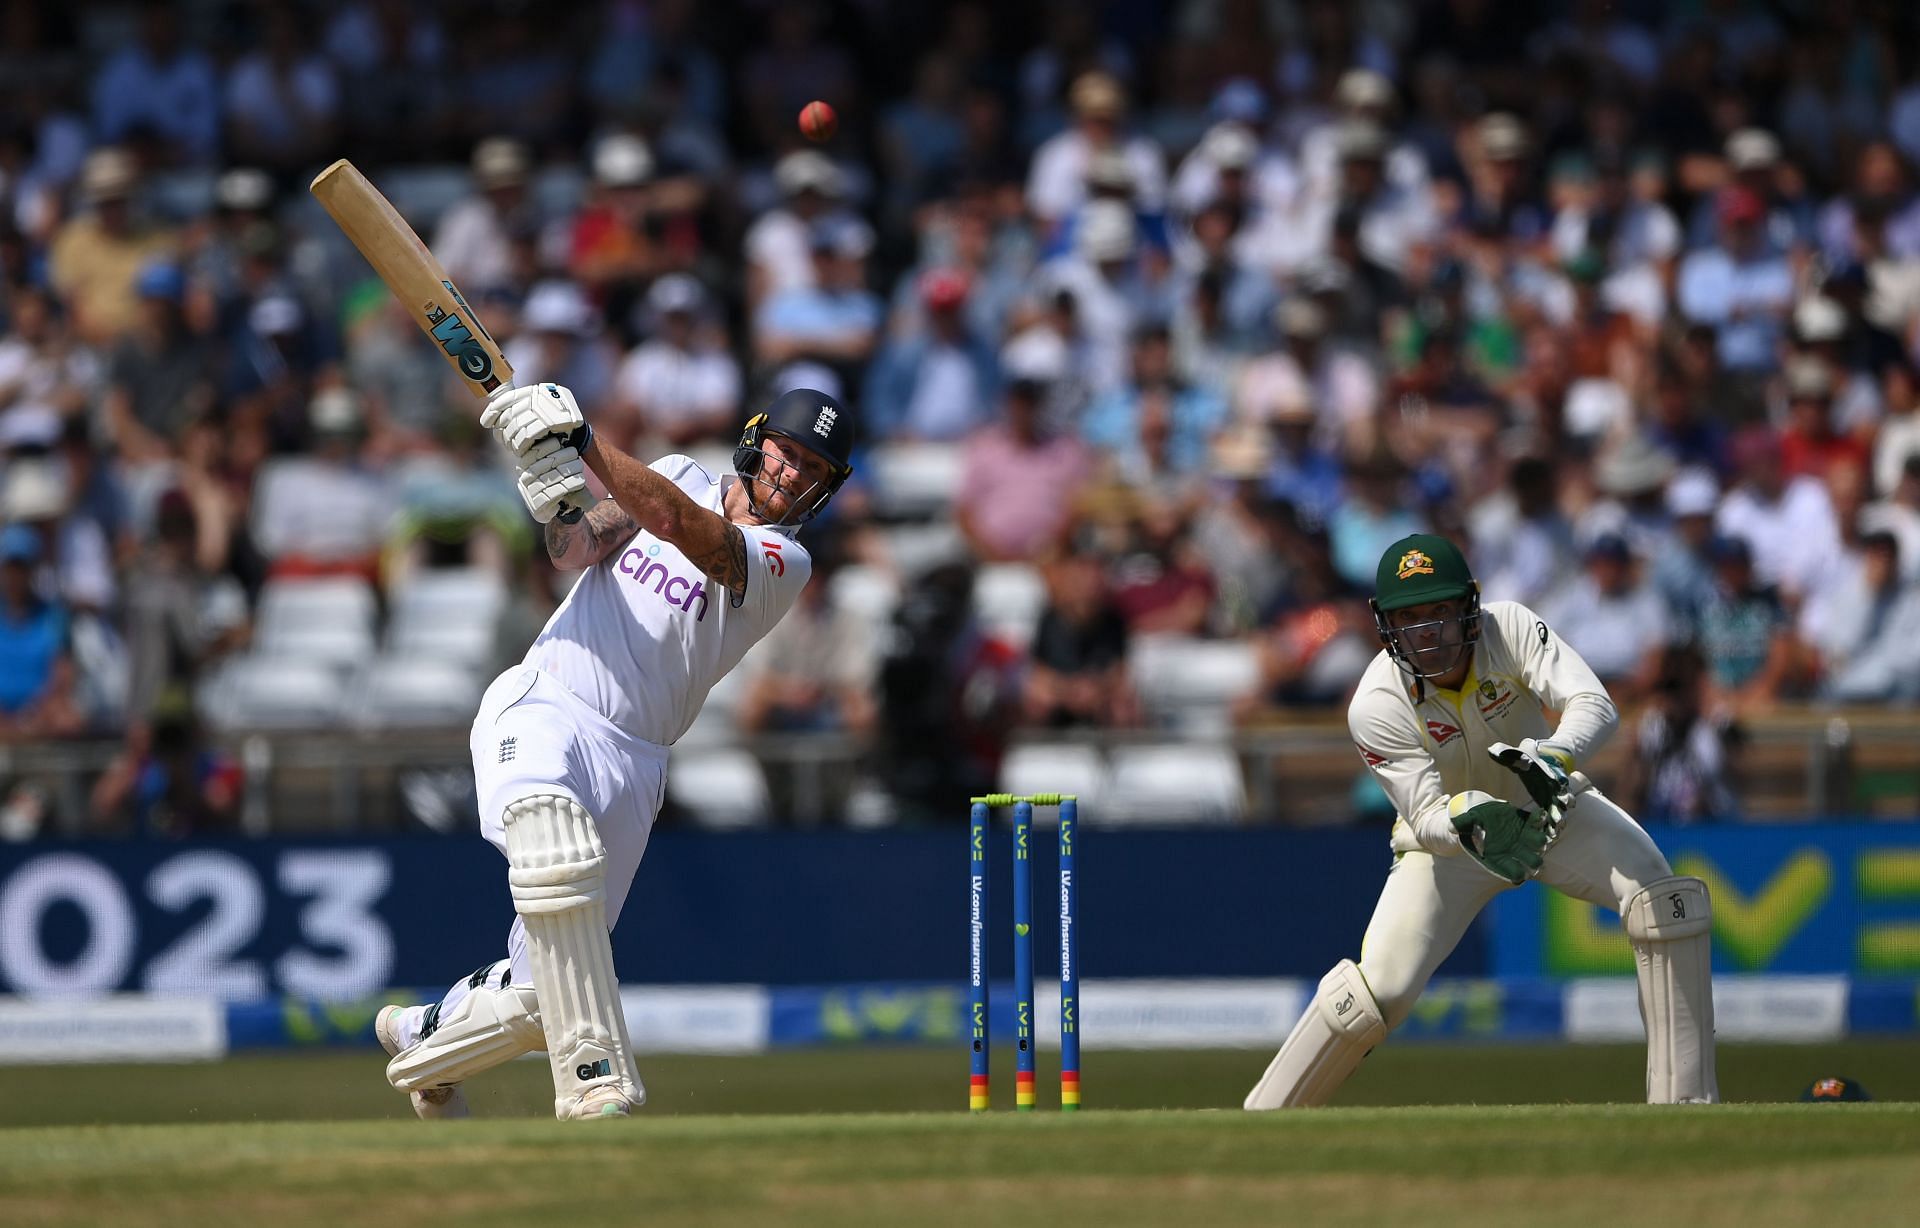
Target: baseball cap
(500, 161)
(622, 161)
(556, 307)
(1752, 149)
(804, 170)
(1693, 492)
(676, 292)
(941, 289)
(1363, 87)
(1096, 93)
(243, 187)
(1502, 137)
(161, 279)
(1230, 146)
(1419, 568)
(107, 174)
(1611, 547)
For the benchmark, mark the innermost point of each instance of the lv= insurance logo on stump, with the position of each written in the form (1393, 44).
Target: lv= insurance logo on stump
(1023, 1006)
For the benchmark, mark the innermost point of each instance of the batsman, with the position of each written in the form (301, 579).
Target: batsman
(1453, 718)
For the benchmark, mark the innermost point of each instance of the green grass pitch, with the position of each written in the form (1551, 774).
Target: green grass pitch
(1438, 1135)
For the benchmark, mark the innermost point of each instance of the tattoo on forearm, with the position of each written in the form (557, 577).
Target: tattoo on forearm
(727, 564)
(586, 541)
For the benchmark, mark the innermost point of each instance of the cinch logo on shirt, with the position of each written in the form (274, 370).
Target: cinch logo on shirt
(1441, 732)
(677, 591)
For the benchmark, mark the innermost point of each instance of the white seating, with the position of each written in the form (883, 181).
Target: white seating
(450, 613)
(256, 692)
(1160, 785)
(1056, 767)
(326, 620)
(912, 481)
(415, 692)
(868, 593)
(916, 547)
(719, 787)
(1009, 598)
(1190, 682)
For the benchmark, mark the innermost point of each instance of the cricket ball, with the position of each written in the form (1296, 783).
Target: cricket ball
(818, 122)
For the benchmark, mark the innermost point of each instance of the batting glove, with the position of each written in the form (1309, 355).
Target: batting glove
(523, 416)
(551, 474)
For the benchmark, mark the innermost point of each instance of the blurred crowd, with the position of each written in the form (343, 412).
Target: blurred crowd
(1188, 308)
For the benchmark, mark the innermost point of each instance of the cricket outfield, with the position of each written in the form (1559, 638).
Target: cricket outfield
(878, 1136)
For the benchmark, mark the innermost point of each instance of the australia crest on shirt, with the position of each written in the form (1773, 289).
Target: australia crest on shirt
(1494, 696)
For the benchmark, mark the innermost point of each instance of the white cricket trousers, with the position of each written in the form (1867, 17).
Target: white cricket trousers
(1602, 856)
(532, 736)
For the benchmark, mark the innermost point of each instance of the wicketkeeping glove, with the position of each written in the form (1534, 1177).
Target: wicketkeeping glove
(549, 474)
(1543, 769)
(1506, 840)
(523, 416)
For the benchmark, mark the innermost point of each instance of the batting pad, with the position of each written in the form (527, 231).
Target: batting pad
(488, 1027)
(1339, 1027)
(557, 870)
(1671, 925)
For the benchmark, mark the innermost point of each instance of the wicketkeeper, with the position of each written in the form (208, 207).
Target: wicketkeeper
(685, 571)
(1451, 718)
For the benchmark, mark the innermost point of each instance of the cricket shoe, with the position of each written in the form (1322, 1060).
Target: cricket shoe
(596, 1103)
(434, 1103)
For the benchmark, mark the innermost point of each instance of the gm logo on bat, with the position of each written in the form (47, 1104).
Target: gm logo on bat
(457, 340)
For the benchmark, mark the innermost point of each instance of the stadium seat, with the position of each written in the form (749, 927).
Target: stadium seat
(866, 592)
(1174, 783)
(913, 481)
(916, 547)
(329, 621)
(421, 193)
(719, 787)
(257, 692)
(1009, 598)
(1056, 767)
(448, 613)
(416, 692)
(1189, 683)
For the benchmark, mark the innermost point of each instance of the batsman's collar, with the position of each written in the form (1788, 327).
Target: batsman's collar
(1419, 568)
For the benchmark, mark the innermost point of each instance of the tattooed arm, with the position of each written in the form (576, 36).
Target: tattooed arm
(578, 546)
(647, 500)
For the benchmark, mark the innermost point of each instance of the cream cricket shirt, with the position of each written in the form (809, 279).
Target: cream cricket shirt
(1424, 744)
(645, 634)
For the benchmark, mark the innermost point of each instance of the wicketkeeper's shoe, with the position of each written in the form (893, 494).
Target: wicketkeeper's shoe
(435, 1103)
(605, 1100)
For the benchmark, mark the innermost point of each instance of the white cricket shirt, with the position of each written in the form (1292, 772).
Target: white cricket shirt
(1424, 744)
(645, 634)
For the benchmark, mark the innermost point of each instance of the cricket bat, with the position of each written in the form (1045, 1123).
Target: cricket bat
(415, 277)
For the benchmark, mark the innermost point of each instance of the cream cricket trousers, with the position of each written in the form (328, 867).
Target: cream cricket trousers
(1602, 857)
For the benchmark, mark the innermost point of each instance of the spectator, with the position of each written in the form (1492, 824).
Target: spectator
(324, 514)
(46, 378)
(1744, 632)
(1112, 291)
(1682, 562)
(180, 616)
(1787, 522)
(1191, 417)
(1810, 446)
(168, 782)
(475, 237)
(1743, 287)
(1685, 749)
(1865, 629)
(1019, 482)
(612, 252)
(1611, 618)
(681, 386)
(282, 100)
(97, 258)
(836, 320)
(36, 668)
(77, 551)
(1056, 185)
(1162, 585)
(816, 670)
(937, 383)
(779, 245)
(560, 340)
(1522, 543)
(1318, 637)
(163, 86)
(1077, 674)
